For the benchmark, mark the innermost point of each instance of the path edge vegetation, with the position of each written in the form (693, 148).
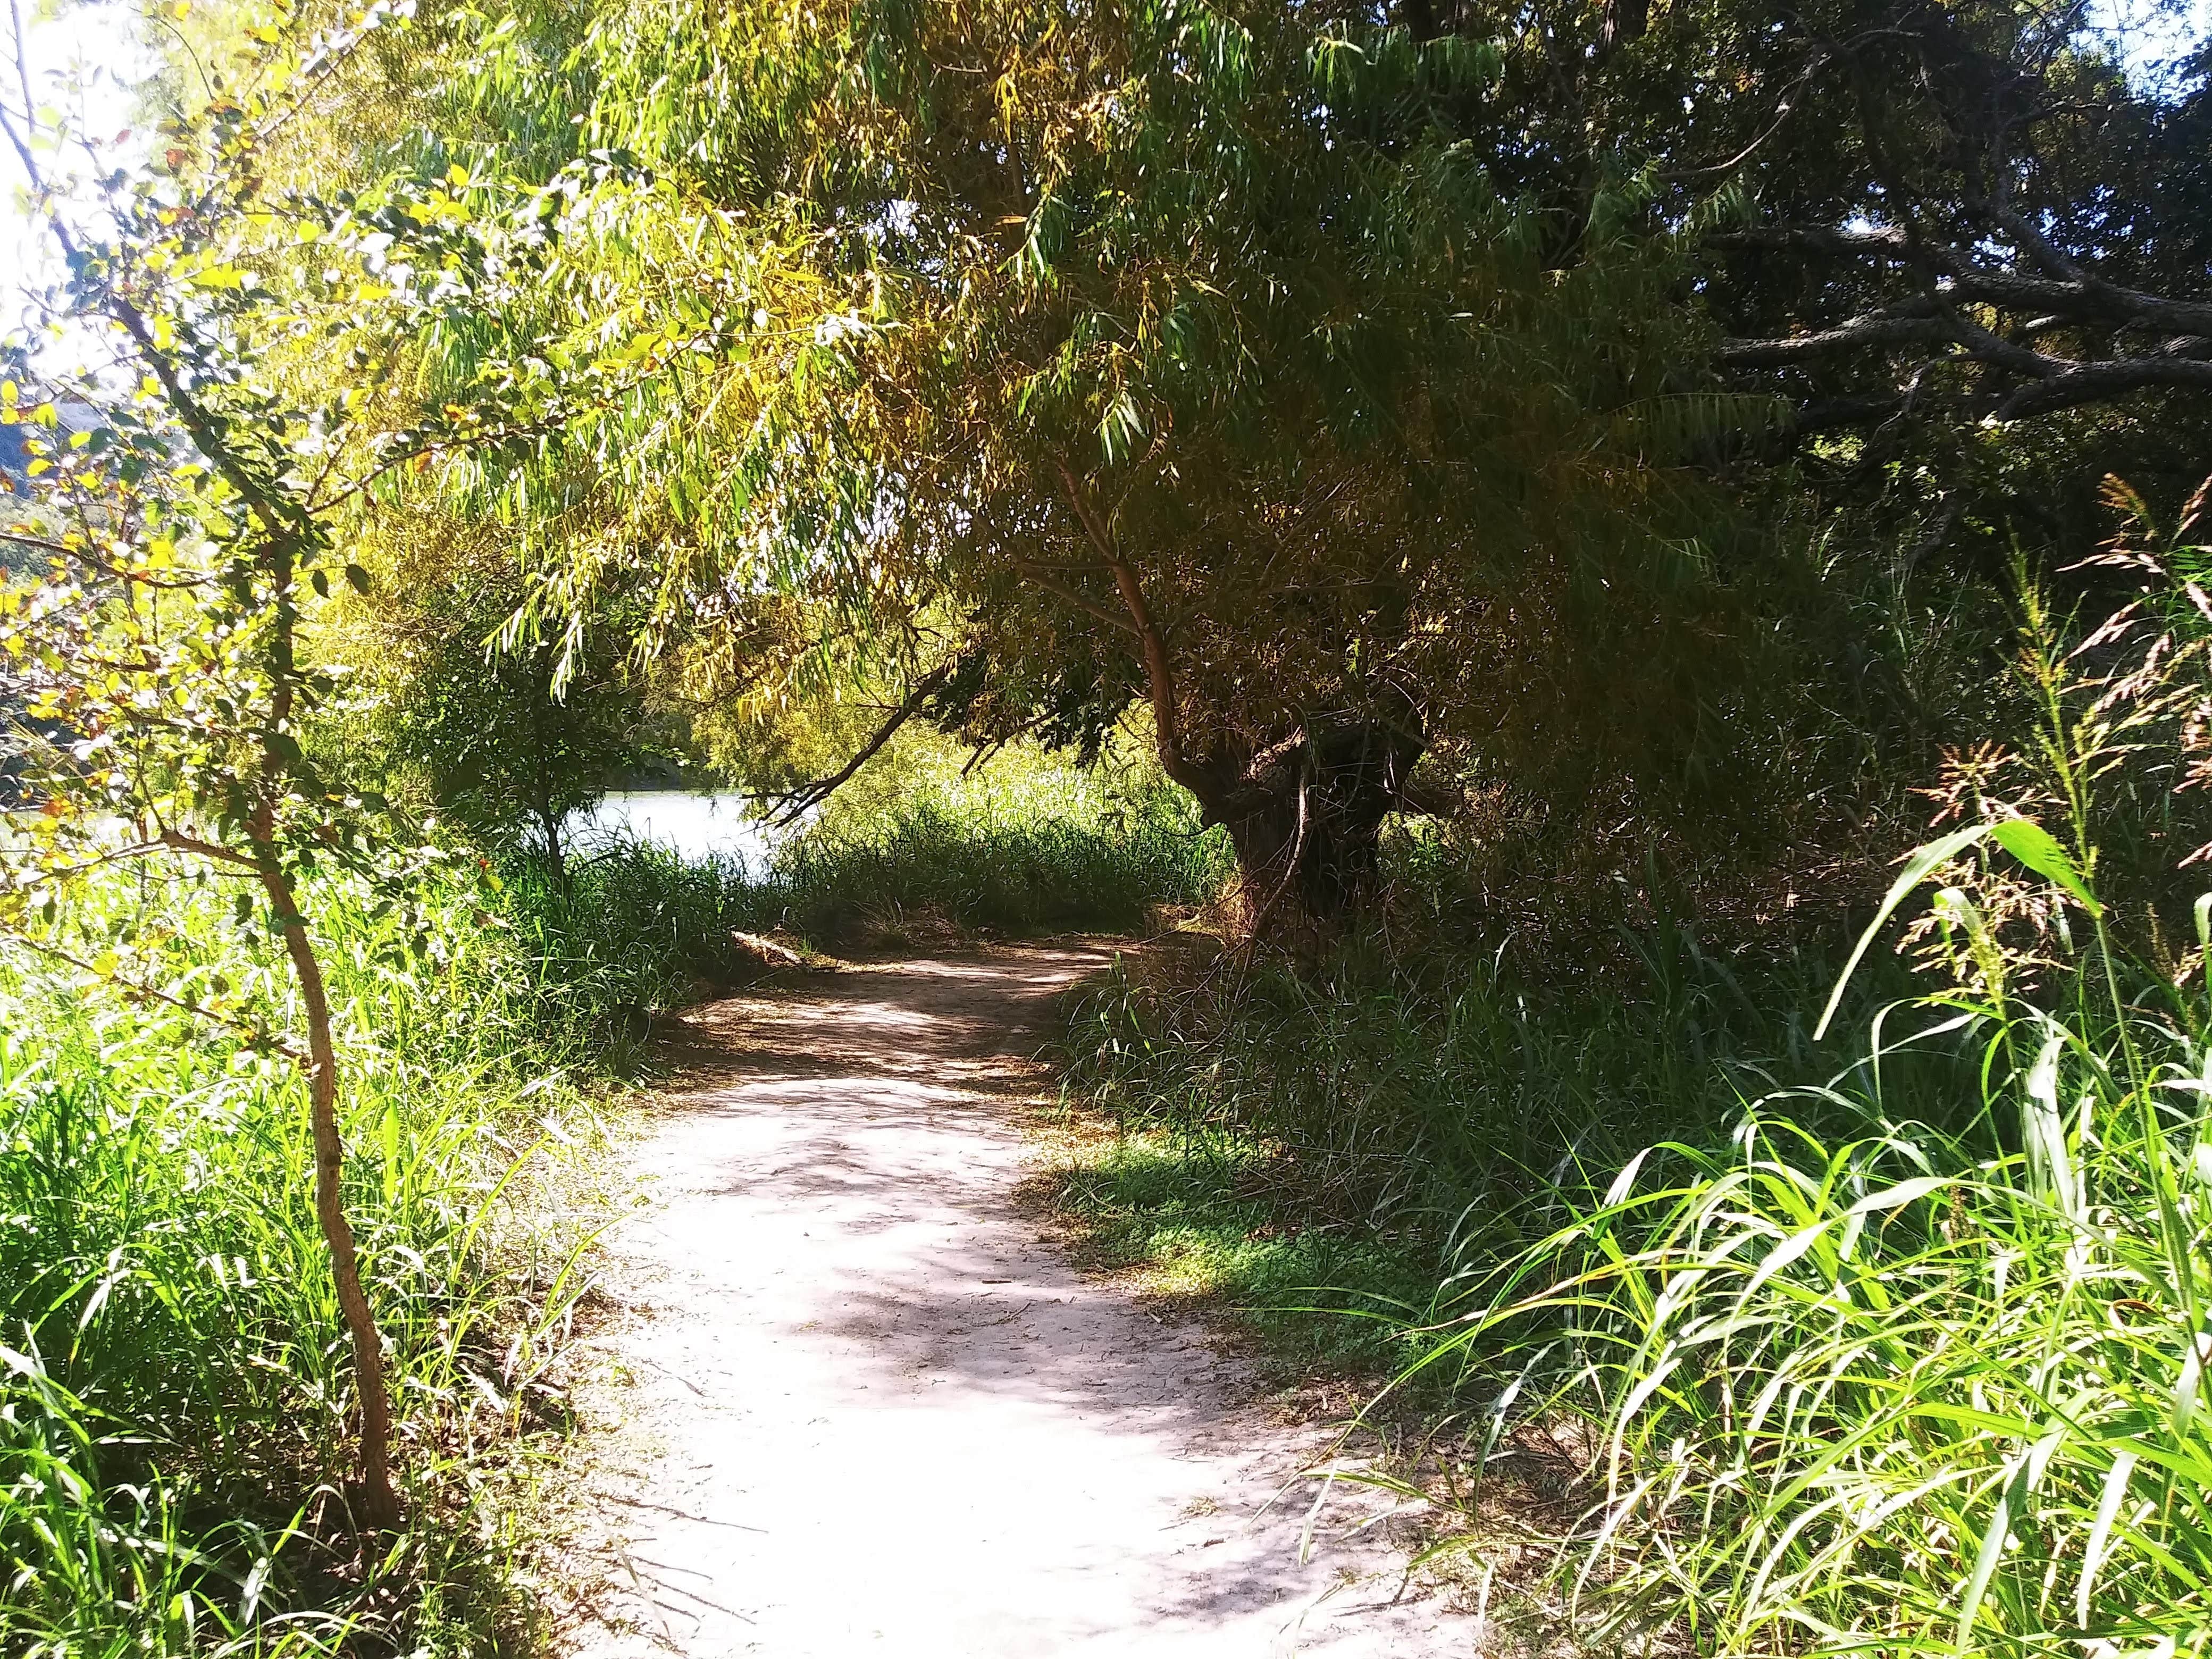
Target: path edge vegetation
(1889, 1342)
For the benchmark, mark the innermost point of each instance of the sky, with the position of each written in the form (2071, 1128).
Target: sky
(87, 63)
(2149, 35)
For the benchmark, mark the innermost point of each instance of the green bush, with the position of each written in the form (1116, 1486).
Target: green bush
(1004, 873)
(1864, 1382)
(637, 926)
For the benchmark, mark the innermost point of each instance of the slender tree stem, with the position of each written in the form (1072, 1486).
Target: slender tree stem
(1159, 668)
(380, 1505)
(808, 796)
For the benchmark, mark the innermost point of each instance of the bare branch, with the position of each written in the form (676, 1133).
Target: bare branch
(1904, 324)
(2083, 383)
(1885, 241)
(1839, 414)
(2032, 304)
(2092, 300)
(2039, 246)
(803, 799)
(1159, 667)
(207, 849)
(1112, 619)
(2080, 296)
(39, 542)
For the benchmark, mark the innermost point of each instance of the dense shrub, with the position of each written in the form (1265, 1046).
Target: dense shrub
(1896, 1347)
(1865, 1380)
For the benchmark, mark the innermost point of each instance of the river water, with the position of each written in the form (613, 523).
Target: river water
(696, 824)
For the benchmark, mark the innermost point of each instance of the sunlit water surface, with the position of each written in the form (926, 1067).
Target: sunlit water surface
(696, 825)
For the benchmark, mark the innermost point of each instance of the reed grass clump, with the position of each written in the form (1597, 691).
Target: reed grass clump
(175, 1382)
(1434, 1090)
(1027, 869)
(637, 925)
(1862, 1380)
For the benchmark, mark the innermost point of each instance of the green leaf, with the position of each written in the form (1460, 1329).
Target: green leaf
(2027, 1471)
(2025, 839)
(1922, 862)
(2034, 846)
(2108, 1510)
(2189, 1387)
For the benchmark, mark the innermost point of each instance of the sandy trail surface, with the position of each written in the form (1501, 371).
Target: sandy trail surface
(866, 1406)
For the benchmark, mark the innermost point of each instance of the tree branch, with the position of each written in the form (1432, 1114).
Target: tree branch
(1112, 619)
(1159, 667)
(2084, 383)
(1838, 413)
(2082, 295)
(2057, 293)
(1915, 320)
(806, 796)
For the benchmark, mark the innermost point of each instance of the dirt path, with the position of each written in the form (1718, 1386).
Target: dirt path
(867, 1410)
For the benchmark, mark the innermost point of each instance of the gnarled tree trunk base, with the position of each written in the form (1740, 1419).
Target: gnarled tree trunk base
(1307, 826)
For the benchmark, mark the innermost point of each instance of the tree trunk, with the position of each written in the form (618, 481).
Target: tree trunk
(1307, 826)
(554, 851)
(540, 704)
(380, 1505)
(1306, 817)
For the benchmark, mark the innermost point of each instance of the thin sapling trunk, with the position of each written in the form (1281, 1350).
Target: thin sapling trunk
(380, 1505)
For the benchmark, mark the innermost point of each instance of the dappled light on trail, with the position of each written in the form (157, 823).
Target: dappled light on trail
(868, 1409)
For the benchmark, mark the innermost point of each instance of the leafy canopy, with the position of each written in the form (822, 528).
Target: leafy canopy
(1020, 339)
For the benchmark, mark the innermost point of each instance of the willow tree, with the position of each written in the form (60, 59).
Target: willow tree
(1967, 243)
(1166, 355)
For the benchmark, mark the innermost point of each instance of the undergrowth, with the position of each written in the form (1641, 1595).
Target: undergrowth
(1861, 1379)
(1875, 1323)
(990, 872)
(934, 866)
(1316, 1147)
(174, 1388)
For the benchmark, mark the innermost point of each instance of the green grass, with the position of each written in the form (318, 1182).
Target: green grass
(1889, 1344)
(175, 1385)
(174, 1381)
(1825, 1338)
(1318, 1148)
(1900, 1389)
(1007, 875)
(1868, 1381)
(637, 927)
(1199, 1219)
